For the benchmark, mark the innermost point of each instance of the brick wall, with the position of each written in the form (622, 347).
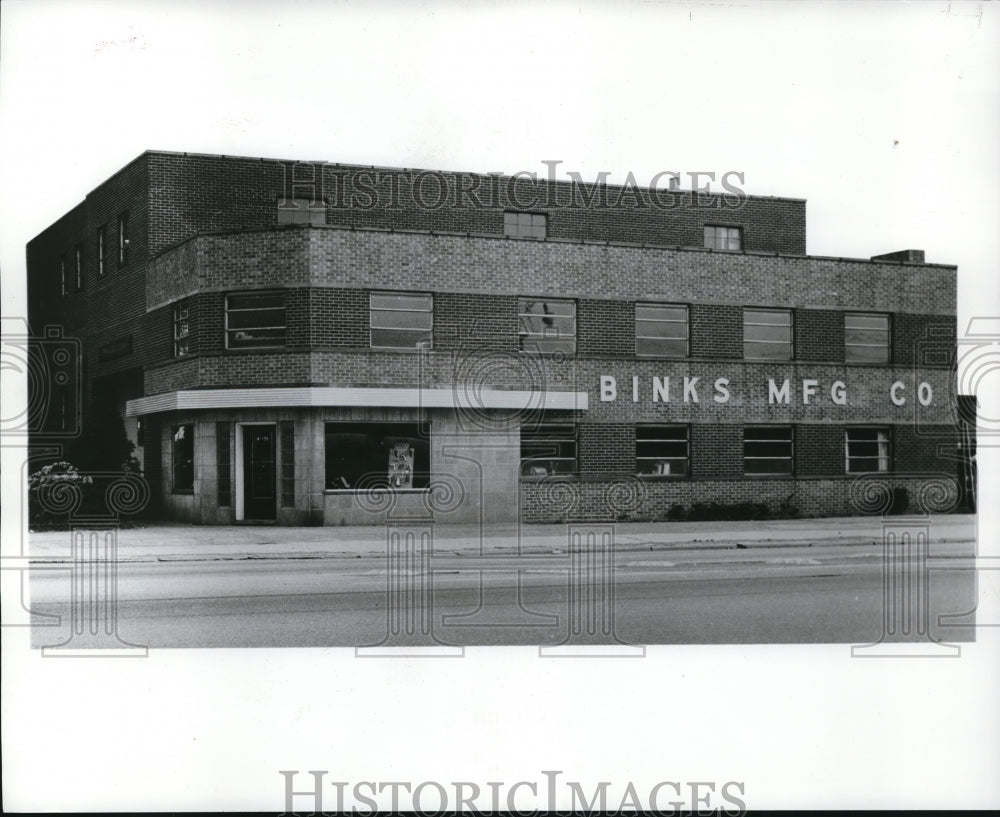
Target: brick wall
(819, 450)
(109, 307)
(589, 501)
(475, 322)
(716, 331)
(605, 328)
(196, 192)
(923, 339)
(337, 318)
(605, 449)
(716, 451)
(818, 334)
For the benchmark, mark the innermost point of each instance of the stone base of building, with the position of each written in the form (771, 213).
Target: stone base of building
(281, 466)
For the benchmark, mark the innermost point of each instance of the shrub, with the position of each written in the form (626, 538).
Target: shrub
(55, 491)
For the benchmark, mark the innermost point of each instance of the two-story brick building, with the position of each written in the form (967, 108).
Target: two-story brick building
(305, 343)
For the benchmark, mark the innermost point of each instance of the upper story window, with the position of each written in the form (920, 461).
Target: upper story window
(548, 449)
(661, 330)
(723, 238)
(123, 239)
(547, 325)
(182, 330)
(767, 334)
(78, 266)
(401, 321)
(62, 275)
(767, 450)
(661, 451)
(866, 449)
(301, 211)
(524, 225)
(100, 250)
(866, 337)
(255, 320)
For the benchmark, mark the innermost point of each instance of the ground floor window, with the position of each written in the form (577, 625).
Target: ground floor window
(767, 450)
(661, 451)
(182, 450)
(548, 449)
(867, 449)
(367, 455)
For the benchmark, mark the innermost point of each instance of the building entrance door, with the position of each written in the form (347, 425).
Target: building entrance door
(259, 472)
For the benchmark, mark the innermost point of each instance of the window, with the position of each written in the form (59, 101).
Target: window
(255, 320)
(301, 211)
(548, 449)
(62, 275)
(372, 455)
(182, 453)
(524, 225)
(661, 330)
(723, 238)
(78, 265)
(866, 449)
(401, 321)
(123, 239)
(661, 451)
(547, 325)
(767, 450)
(100, 250)
(182, 331)
(866, 338)
(767, 334)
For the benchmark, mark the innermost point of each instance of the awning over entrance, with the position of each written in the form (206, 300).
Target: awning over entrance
(458, 397)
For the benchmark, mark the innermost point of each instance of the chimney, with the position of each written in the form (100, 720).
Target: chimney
(912, 256)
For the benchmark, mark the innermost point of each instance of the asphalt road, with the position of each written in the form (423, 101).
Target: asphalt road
(780, 595)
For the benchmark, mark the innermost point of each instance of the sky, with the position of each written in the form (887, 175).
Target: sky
(883, 115)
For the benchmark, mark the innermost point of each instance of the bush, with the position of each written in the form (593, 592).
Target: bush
(55, 491)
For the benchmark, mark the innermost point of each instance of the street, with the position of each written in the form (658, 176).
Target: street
(807, 594)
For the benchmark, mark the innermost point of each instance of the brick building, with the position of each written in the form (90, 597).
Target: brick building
(306, 343)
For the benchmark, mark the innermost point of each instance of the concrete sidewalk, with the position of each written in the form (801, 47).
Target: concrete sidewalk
(197, 543)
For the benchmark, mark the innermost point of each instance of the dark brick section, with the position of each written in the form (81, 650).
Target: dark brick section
(298, 319)
(716, 451)
(160, 326)
(210, 309)
(286, 432)
(466, 321)
(716, 331)
(819, 450)
(819, 335)
(916, 451)
(605, 328)
(927, 341)
(606, 450)
(338, 318)
(223, 449)
(109, 306)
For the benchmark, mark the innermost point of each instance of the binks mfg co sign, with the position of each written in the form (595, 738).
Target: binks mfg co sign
(807, 391)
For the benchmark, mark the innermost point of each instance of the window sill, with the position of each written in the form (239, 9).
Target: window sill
(559, 477)
(183, 492)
